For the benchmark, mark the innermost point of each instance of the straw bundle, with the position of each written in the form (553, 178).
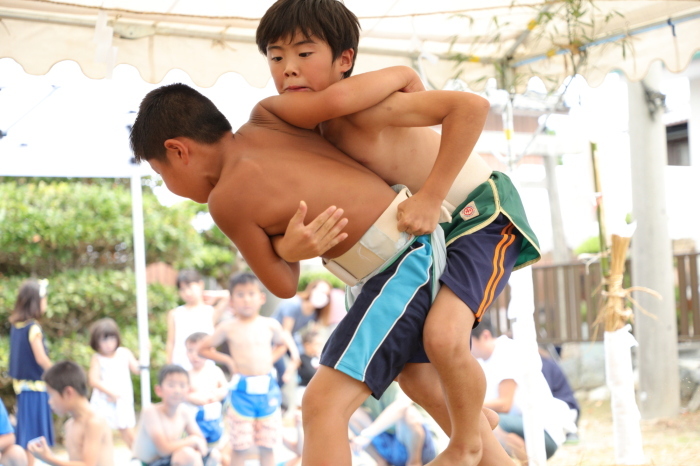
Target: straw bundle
(615, 313)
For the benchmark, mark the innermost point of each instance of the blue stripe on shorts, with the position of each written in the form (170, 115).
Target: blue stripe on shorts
(384, 328)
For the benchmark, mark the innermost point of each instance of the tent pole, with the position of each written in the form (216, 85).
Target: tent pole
(141, 291)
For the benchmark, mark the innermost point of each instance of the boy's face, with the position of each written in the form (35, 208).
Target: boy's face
(247, 299)
(174, 389)
(191, 292)
(179, 177)
(314, 347)
(301, 64)
(59, 404)
(195, 359)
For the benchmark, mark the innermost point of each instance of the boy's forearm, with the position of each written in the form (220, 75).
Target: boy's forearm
(461, 129)
(348, 96)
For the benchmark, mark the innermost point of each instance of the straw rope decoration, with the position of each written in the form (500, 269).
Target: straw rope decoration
(614, 313)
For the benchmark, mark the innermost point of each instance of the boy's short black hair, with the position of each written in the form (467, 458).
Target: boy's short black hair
(329, 20)
(174, 111)
(170, 369)
(101, 329)
(185, 277)
(243, 278)
(66, 374)
(195, 338)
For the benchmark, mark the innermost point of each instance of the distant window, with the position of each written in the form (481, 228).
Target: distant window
(677, 144)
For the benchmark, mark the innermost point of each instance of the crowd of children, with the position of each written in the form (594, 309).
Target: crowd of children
(254, 181)
(198, 404)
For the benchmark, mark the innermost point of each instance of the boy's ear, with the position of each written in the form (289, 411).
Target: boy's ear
(345, 60)
(159, 391)
(177, 150)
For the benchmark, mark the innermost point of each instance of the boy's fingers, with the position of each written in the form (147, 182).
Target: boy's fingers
(319, 223)
(300, 214)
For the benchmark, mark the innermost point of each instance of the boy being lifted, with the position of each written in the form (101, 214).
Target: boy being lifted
(254, 180)
(311, 46)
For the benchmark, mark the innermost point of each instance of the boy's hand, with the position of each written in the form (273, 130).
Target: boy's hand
(199, 444)
(214, 296)
(40, 449)
(308, 241)
(419, 214)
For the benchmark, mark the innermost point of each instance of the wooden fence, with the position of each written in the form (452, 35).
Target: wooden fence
(568, 297)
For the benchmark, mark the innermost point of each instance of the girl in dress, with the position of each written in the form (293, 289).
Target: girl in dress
(110, 378)
(28, 361)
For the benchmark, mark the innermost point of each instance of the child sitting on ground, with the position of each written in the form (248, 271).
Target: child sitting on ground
(88, 438)
(254, 342)
(167, 432)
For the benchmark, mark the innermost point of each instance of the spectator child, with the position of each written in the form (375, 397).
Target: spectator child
(11, 454)
(88, 438)
(208, 388)
(183, 321)
(110, 377)
(393, 430)
(167, 432)
(254, 342)
(28, 361)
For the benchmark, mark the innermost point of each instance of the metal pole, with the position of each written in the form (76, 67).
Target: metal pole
(141, 290)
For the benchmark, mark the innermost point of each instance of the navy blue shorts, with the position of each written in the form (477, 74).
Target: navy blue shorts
(383, 330)
(479, 264)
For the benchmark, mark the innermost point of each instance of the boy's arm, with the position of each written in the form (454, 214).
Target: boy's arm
(163, 444)
(280, 277)
(6, 440)
(462, 116)
(354, 94)
(506, 393)
(207, 347)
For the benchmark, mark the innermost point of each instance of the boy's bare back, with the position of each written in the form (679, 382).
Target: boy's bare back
(251, 341)
(281, 165)
(76, 433)
(398, 154)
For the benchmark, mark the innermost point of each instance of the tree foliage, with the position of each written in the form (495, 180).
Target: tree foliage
(78, 234)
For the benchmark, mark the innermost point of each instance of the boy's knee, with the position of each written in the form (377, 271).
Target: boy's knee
(14, 455)
(186, 456)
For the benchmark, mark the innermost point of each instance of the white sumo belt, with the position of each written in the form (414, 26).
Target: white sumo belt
(379, 245)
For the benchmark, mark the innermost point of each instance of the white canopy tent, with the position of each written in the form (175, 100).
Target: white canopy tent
(511, 40)
(207, 39)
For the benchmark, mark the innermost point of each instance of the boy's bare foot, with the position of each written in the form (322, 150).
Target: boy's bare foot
(449, 457)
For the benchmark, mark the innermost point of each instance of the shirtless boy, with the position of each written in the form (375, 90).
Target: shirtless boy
(167, 433)
(208, 389)
(254, 180)
(311, 47)
(88, 438)
(254, 342)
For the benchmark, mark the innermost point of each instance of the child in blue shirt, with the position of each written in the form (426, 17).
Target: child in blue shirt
(10, 453)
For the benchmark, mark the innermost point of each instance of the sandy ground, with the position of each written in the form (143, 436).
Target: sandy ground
(667, 442)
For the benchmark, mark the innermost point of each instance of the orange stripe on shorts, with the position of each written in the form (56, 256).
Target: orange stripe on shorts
(498, 268)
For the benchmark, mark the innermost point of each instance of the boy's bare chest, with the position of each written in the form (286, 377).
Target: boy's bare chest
(249, 338)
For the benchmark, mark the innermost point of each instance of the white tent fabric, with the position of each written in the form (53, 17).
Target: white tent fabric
(207, 39)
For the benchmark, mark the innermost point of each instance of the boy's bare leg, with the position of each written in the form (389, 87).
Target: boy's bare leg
(238, 457)
(329, 401)
(14, 455)
(446, 337)
(186, 456)
(421, 383)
